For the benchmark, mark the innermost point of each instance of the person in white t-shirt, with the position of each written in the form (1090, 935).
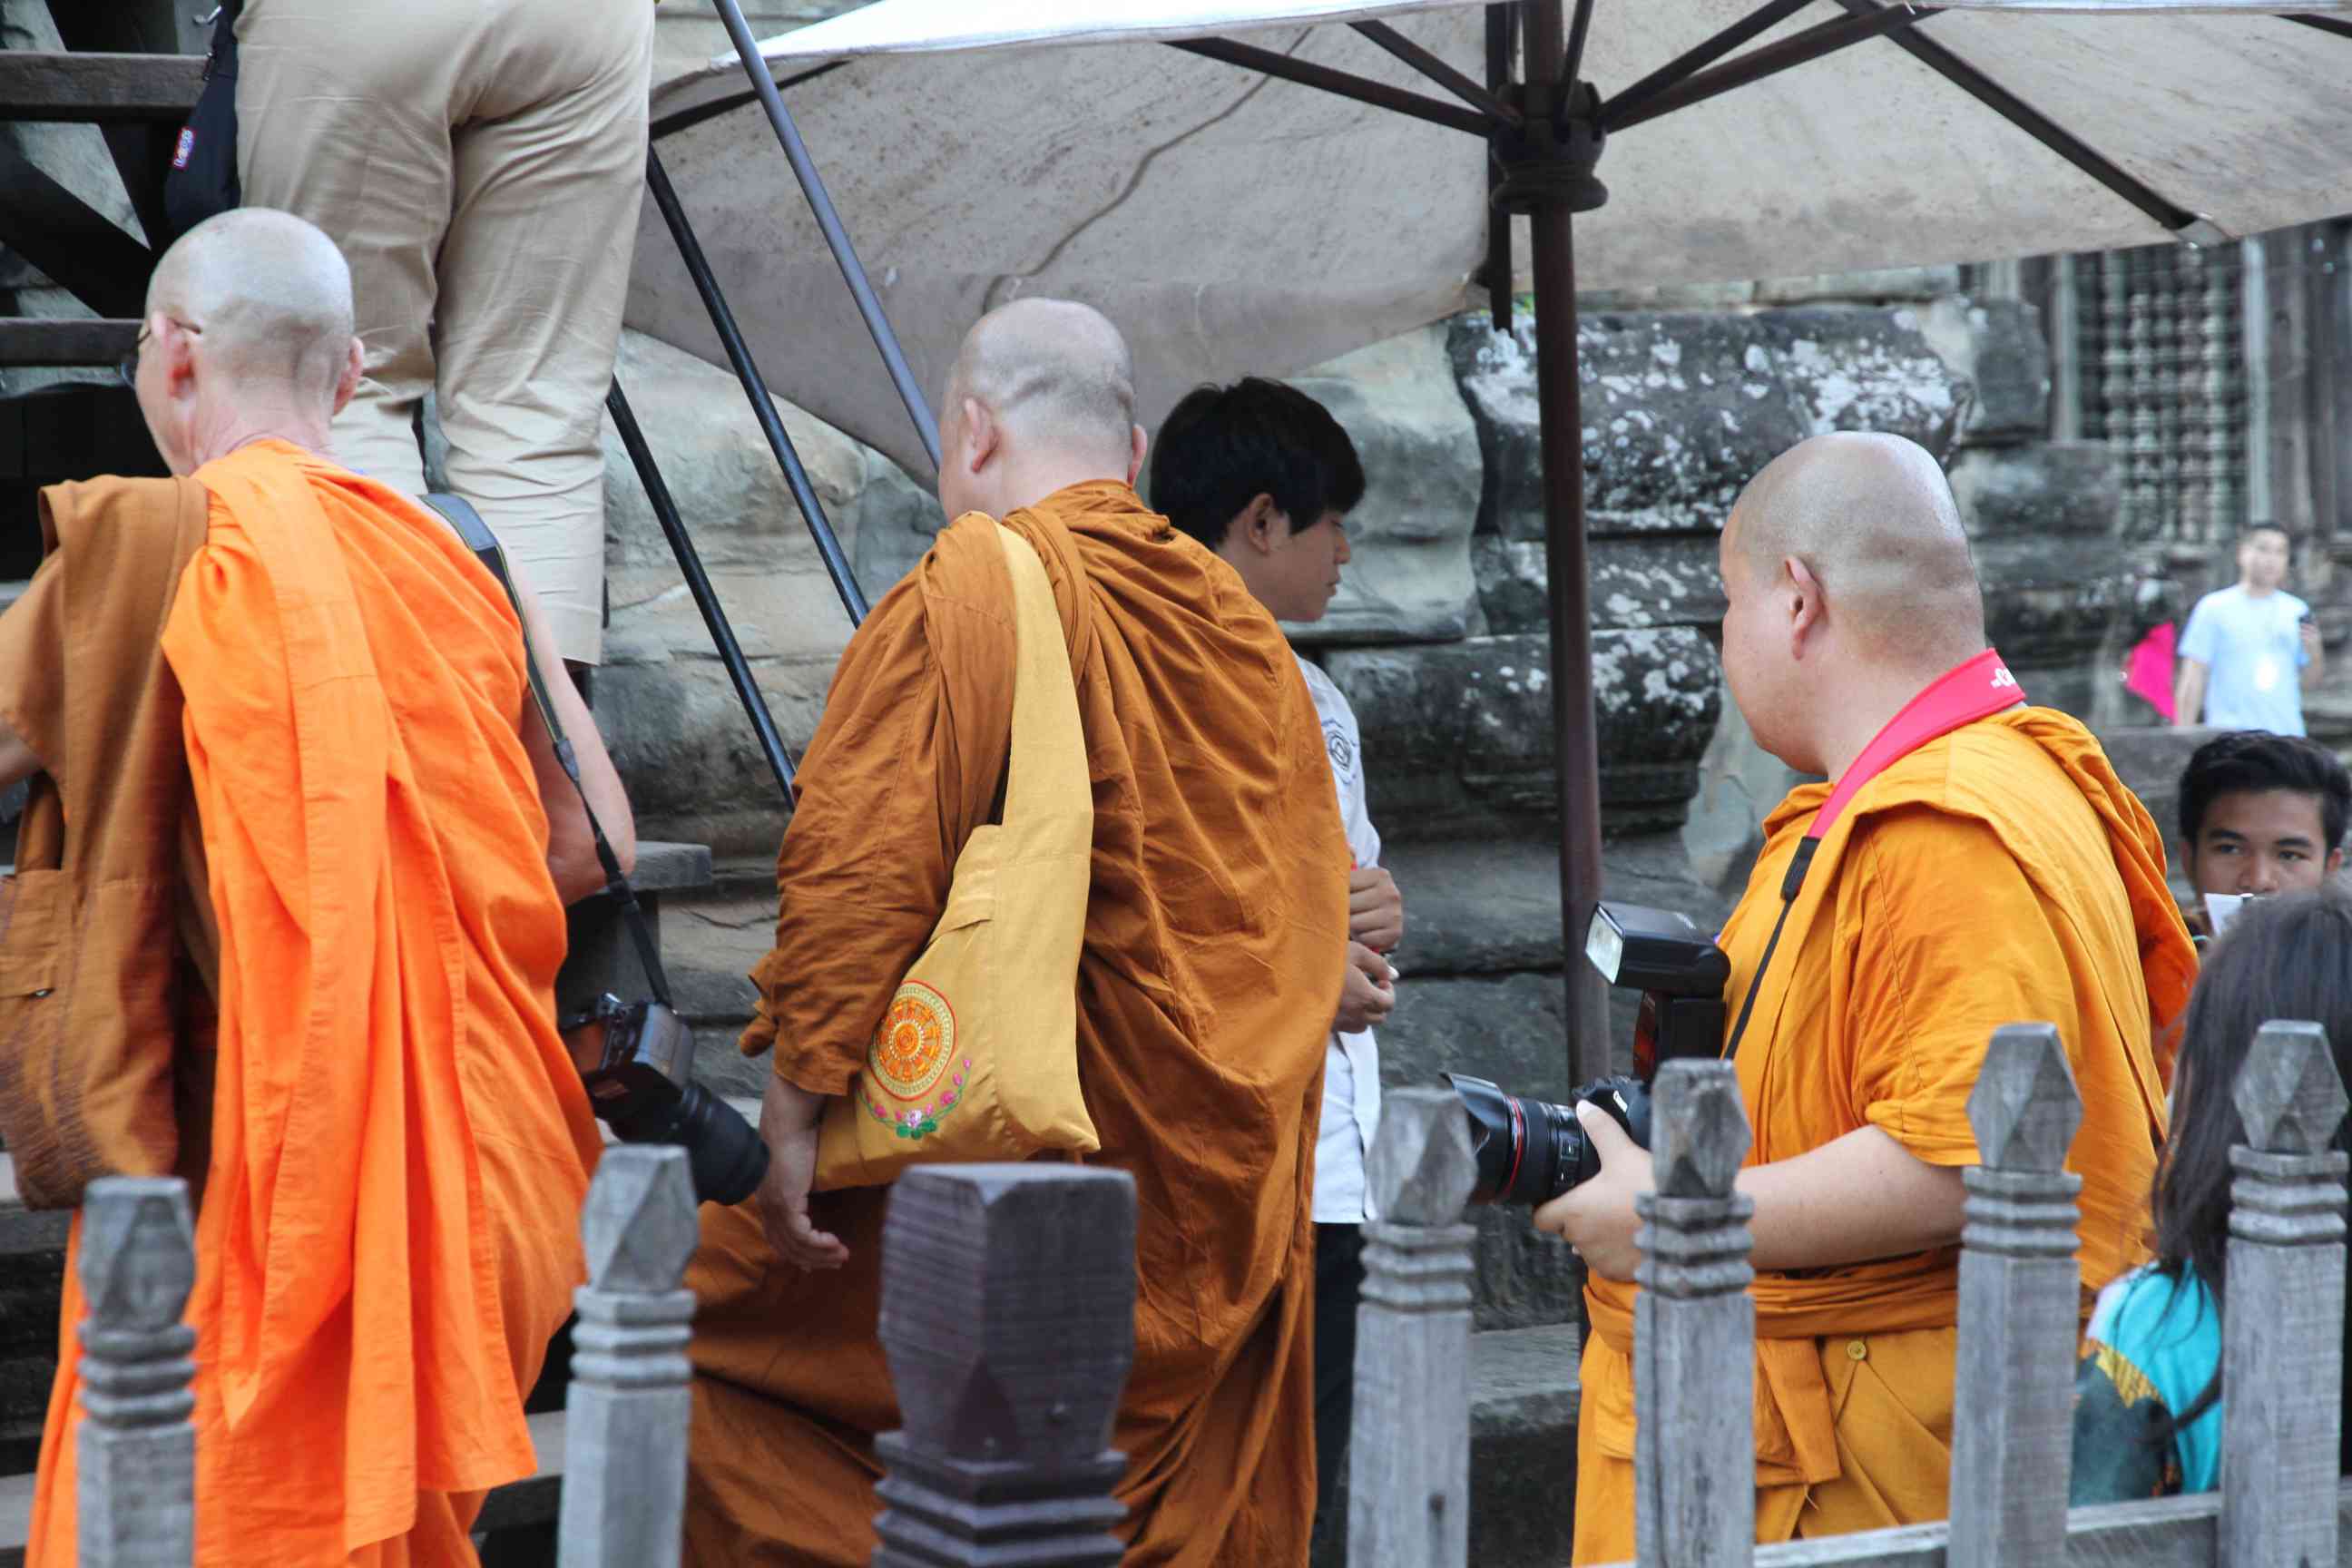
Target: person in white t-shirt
(1262, 475)
(2251, 650)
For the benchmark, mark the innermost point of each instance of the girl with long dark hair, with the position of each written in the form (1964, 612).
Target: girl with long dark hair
(2148, 1394)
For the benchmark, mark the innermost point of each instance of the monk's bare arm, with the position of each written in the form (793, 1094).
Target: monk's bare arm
(2189, 694)
(1853, 1199)
(1856, 1198)
(570, 850)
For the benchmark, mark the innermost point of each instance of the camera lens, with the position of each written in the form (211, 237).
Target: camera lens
(724, 1151)
(1526, 1151)
(728, 1158)
(1531, 1151)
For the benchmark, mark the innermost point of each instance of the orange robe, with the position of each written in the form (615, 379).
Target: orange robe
(400, 1146)
(2000, 875)
(1210, 971)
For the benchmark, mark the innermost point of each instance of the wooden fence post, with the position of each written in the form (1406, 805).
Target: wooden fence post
(1008, 1316)
(1409, 1459)
(135, 1492)
(625, 1412)
(2021, 1308)
(1695, 1331)
(2282, 1326)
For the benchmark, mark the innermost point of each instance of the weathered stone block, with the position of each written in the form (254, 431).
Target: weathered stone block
(1460, 733)
(1489, 906)
(2050, 601)
(1848, 368)
(677, 732)
(1643, 580)
(1999, 346)
(1872, 284)
(1680, 411)
(1410, 577)
(2050, 489)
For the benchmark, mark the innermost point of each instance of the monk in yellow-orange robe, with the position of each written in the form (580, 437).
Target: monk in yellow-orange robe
(1998, 874)
(1209, 976)
(387, 1231)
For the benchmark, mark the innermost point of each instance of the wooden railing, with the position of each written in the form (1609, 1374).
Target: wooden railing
(1008, 1321)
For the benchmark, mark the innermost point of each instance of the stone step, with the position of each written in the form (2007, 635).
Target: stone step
(1524, 1399)
(105, 89)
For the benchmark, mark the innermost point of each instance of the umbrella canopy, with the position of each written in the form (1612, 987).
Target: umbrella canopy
(1231, 224)
(1237, 220)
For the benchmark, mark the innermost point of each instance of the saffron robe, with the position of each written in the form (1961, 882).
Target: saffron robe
(388, 1234)
(2003, 874)
(1206, 984)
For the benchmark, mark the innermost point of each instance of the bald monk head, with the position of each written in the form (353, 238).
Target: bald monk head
(1041, 397)
(1850, 588)
(247, 335)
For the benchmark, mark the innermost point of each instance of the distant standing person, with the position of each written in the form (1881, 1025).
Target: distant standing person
(1264, 476)
(2251, 650)
(480, 163)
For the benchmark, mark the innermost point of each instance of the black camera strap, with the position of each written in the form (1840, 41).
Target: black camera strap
(477, 536)
(1976, 690)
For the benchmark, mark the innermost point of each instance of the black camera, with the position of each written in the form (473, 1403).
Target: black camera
(1531, 1151)
(1679, 971)
(637, 1059)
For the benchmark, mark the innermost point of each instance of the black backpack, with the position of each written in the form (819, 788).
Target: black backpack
(201, 182)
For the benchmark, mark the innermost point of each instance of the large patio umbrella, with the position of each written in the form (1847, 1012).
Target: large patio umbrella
(1257, 185)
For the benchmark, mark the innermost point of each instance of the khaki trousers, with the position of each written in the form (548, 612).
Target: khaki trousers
(481, 163)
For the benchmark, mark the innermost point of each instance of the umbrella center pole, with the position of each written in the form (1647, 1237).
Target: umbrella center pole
(1544, 169)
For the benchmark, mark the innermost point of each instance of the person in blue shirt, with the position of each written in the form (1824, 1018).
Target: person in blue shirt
(2251, 650)
(2147, 1392)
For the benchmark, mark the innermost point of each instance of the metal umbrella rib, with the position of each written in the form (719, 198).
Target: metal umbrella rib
(1771, 59)
(1439, 71)
(1692, 61)
(2032, 121)
(1305, 73)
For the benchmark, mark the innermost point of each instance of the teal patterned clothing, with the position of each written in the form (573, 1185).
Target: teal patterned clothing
(2154, 1344)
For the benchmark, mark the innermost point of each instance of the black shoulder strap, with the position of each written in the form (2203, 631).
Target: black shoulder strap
(477, 537)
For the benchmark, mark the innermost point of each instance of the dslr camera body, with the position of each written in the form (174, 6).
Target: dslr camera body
(1531, 1150)
(636, 1061)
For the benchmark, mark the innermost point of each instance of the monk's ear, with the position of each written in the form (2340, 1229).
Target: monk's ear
(1138, 443)
(347, 385)
(1804, 597)
(2334, 861)
(177, 345)
(981, 434)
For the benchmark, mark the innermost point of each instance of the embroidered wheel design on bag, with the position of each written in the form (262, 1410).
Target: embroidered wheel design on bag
(912, 1051)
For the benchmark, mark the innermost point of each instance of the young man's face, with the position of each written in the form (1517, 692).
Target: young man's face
(2262, 560)
(2262, 841)
(1296, 575)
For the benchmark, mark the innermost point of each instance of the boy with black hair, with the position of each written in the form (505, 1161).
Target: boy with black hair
(1263, 475)
(2262, 813)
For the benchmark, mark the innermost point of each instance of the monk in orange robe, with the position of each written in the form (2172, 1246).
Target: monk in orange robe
(1999, 874)
(1209, 976)
(398, 1145)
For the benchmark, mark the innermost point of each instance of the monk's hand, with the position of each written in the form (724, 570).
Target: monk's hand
(788, 1115)
(1375, 908)
(1597, 1218)
(1367, 994)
